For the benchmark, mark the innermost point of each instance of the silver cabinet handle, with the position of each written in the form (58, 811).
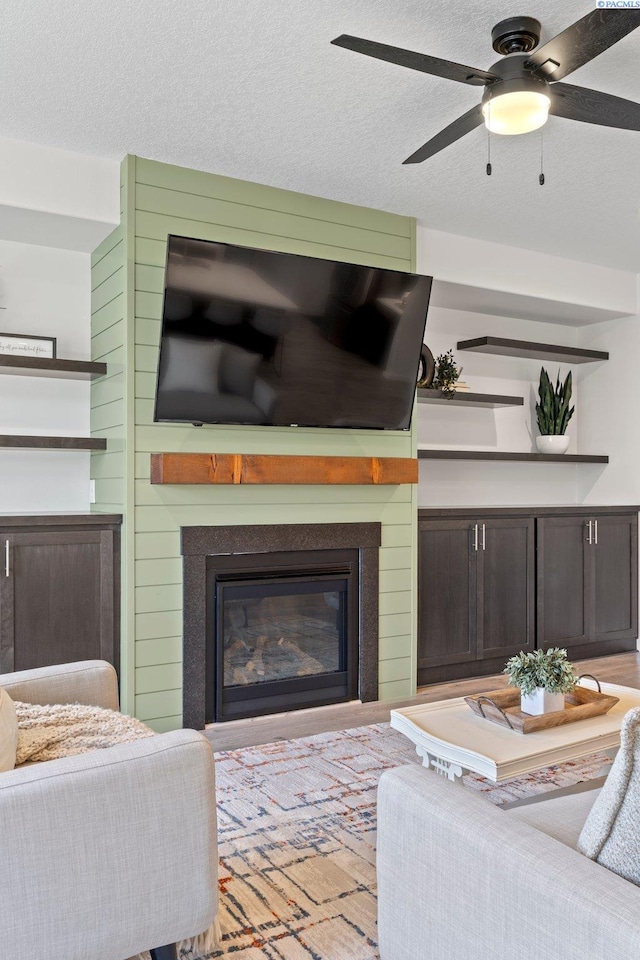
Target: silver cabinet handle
(475, 537)
(484, 537)
(595, 525)
(590, 538)
(6, 558)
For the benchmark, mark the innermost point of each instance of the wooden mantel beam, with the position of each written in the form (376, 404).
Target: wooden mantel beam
(260, 468)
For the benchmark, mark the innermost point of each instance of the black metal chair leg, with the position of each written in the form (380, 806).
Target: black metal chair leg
(165, 953)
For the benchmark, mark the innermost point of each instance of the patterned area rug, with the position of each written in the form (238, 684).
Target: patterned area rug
(297, 831)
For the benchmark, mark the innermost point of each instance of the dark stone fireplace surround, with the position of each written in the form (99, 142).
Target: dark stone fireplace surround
(200, 542)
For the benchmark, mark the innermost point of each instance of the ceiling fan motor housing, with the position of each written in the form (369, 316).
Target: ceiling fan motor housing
(513, 78)
(516, 35)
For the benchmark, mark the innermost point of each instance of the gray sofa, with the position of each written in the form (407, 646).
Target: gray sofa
(459, 878)
(110, 853)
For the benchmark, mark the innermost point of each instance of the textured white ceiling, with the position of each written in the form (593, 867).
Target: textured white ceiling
(253, 89)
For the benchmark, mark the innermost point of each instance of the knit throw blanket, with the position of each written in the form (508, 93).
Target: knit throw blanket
(56, 730)
(64, 730)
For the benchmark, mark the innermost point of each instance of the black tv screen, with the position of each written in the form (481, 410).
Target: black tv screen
(257, 337)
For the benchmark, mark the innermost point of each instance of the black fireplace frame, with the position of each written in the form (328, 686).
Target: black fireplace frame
(199, 544)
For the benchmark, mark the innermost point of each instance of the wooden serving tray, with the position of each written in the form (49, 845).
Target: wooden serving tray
(505, 708)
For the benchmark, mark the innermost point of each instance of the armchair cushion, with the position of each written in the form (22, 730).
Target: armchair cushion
(8, 732)
(610, 835)
(560, 817)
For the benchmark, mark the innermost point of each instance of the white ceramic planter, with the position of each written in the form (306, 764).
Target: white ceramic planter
(541, 701)
(552, 444)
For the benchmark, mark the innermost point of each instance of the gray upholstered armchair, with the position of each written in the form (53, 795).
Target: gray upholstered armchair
(459, 878)
(111, 853)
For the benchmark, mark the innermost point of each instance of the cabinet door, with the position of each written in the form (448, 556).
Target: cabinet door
(563, 581)
(447, 562)
(57, 598)
(614, 555)
(506, 586)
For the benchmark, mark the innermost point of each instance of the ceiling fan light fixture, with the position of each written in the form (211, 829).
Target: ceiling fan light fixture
(520, 111)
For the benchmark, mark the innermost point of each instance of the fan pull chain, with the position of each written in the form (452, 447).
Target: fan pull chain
(541, 177)
(489, 169)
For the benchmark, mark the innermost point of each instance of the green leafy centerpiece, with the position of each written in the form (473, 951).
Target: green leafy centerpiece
(553, 413)
(543, 677)
(447, 374)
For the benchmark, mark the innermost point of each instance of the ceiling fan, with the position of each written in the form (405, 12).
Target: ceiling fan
(523, 88)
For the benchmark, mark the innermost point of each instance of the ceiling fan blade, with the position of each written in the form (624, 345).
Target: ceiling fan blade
(582, 41)
(459, 128)
(416, 61)
(592, 106)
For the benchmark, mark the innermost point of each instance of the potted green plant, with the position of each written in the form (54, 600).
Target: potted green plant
(543, 677)
(553, 413)
(447, 374)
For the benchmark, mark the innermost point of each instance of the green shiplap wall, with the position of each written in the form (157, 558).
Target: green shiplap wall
(157, 200)
(112, 405)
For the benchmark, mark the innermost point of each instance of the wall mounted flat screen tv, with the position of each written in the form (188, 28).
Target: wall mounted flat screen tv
(257, 337)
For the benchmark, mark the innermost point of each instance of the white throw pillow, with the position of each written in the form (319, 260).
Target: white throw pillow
(8, 732)
(610, 835)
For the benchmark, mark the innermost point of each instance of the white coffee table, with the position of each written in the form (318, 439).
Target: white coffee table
(452, 740)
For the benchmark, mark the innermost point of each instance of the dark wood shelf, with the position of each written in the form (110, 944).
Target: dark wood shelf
(53, 443)
(524, 348)
(468, 399)
(58, 369)
(426, 454)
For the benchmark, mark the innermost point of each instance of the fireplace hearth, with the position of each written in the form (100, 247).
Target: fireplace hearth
(278, 617)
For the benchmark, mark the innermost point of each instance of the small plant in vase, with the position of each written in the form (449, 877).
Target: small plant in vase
(553, 413)
(543, 677)
(447, 374)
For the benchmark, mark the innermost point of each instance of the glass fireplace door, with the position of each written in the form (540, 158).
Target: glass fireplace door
(282, 642)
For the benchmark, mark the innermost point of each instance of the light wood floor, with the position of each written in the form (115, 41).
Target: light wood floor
(623, 668)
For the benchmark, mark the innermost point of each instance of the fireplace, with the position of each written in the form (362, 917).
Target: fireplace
(278, 617)
(282, 631)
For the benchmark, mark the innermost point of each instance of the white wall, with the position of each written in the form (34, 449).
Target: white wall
(55, 197)
(602, 390)
(45, 292)
(611, 393)
(55, 208)
(479, 263)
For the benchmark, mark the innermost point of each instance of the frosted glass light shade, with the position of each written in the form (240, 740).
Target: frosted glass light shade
(518, 112)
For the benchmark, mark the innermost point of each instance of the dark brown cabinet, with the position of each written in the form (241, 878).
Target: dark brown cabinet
(615, 577)
(587, 579)
(494, 582)
(562, 598)
(475, 592)
(506, 612)
(447, 626)
(59, 590)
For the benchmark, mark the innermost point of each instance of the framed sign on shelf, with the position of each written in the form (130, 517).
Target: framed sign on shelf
(26, 345)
